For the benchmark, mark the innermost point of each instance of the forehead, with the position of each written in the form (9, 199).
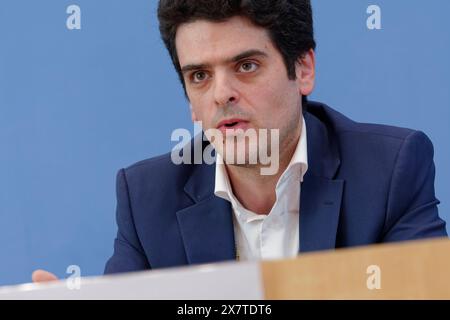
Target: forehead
(204, 41)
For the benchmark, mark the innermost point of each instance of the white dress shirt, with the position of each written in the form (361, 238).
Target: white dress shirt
(276, 235)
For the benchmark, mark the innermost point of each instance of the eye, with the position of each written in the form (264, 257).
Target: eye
(248, 66)
(199, 76)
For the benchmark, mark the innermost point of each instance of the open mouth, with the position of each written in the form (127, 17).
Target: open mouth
(231, 125)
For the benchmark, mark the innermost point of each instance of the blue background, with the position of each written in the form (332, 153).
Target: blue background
(77, 105)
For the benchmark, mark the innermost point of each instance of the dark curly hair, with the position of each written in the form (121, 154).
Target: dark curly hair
(288, 22)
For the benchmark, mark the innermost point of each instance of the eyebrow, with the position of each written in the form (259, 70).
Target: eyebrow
(243, 55)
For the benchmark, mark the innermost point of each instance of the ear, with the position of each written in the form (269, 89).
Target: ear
(193, 116)
(306, 72)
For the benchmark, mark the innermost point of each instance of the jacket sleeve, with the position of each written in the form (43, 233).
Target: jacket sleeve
(128, 253)
(412, 211)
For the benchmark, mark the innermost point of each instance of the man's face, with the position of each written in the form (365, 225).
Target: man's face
(236, 79)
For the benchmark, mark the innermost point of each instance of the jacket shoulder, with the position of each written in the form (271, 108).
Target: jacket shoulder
(159, 161)
(150, 174)
(342, 125)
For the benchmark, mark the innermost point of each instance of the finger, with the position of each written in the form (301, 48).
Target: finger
(43, 276)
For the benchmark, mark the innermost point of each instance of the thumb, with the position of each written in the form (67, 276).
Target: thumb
(43, 276)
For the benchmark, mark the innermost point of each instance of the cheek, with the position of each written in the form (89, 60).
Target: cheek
(273, 103)
(202, 113)
(270, 103)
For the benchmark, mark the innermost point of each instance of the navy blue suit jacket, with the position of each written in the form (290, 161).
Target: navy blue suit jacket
(365, 184)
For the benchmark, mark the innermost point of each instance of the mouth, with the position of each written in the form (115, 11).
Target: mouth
(232, 124)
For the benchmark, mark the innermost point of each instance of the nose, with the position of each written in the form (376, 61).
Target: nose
(224, 90)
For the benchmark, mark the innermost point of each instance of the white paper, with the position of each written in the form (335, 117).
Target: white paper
(225, 281)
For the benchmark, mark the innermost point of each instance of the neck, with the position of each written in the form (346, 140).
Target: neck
(257, 192)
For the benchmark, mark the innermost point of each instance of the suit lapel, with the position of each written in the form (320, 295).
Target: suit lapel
(321, 195)
(206, 226)
(320, 205)
(207, 231)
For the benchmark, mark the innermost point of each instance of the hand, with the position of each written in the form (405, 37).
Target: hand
(40, 276)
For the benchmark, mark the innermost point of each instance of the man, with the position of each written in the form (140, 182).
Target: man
(249, 65)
